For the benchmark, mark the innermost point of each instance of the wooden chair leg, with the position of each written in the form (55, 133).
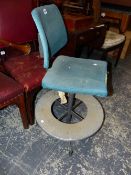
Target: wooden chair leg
(119, 54)
(30, 107)
(30, 104)
(22, 108)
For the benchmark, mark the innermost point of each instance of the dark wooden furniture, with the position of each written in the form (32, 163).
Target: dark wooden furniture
(77, 26)
(126, 3)
(44, 2)
(78, 6)
(118, 12)
(75, 22)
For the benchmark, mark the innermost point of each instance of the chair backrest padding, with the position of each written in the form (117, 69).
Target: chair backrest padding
(51, 29)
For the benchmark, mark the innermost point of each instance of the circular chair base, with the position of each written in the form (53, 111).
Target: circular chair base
(64, 131)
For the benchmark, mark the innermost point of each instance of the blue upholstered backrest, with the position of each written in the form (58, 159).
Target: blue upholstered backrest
(52, 33)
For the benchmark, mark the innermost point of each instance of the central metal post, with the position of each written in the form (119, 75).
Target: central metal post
(70, 106)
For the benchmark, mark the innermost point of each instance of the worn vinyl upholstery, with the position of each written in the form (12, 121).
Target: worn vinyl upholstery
(9, 88)
(27, 70)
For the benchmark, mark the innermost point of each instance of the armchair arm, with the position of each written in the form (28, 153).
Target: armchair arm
(25, 48)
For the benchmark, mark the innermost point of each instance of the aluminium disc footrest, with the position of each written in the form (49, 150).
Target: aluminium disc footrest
(65, 131)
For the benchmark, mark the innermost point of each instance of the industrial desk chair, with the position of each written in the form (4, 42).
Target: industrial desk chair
(67, 75)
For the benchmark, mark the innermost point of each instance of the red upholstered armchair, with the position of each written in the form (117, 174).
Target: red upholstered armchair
(17, 26)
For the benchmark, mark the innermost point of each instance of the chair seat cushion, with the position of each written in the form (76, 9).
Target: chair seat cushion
(27, 70)
(112, 39)
(77, 75)
(9, 88)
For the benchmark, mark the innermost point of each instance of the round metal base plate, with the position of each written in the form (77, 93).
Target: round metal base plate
(64, 131)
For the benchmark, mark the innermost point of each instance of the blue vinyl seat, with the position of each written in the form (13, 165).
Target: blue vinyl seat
(67, 74)
(73, 75)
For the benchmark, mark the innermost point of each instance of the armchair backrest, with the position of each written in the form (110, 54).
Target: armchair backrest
(16, 23)
(51, 29)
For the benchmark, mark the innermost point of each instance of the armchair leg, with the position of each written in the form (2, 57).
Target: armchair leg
(30, 107)
(22, 108)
